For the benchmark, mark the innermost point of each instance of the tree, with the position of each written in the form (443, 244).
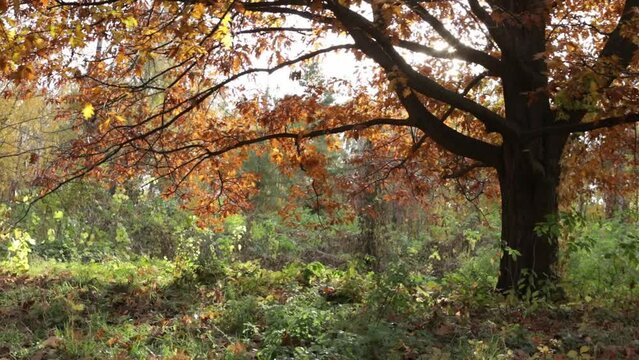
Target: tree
(500, 84)
(27, 137)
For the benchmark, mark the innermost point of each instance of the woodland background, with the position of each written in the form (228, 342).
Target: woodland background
(363, 244)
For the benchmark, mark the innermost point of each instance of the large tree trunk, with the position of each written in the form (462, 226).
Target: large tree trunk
(529, 171)
(529, 195)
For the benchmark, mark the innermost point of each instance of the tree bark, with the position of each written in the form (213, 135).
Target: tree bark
(529, 196)
(529, 172)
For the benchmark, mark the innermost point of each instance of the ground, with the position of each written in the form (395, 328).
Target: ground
(148, 310)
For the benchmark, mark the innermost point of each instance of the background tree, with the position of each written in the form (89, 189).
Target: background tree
(499, 84)
(28, 137)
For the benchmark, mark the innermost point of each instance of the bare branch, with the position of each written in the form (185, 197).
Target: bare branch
(299, 30)
(314, 133)
(465, 51)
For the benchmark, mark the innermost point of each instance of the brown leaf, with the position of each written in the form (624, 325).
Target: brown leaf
(112, 341)
(52, 342)
(39, 355)
(444, 330)
(180, 356)
(236, 348)
(99, 335)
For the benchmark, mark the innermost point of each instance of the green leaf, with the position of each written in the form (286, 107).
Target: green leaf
(58, 215)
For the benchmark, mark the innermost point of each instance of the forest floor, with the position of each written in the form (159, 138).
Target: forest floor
(147, 310)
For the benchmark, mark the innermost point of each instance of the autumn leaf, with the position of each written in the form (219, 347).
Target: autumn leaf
(112, 341)
(167, 74)
(130, 22)
(223, 33)
(198, 11)
(236, 348)
(105, 124)
(88, 111)
(444, 330)
(52, 342)
(24, 72)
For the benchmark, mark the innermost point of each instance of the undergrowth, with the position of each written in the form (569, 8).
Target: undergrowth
(145, 309)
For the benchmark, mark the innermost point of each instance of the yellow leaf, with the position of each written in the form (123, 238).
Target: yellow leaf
(227, 41)
(88, 111)
(130, 22)
(226, 21)
(223, 33)
(105, 124)
(198, 11)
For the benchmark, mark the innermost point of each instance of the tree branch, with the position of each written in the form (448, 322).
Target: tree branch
(427, 50)
(303, 31)
(379, 48)
(465, 51)
(567, 128)
(618, 45)
(314, 133)
(464, 170)
(447, 137)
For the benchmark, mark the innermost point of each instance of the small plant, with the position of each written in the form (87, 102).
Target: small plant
(18, 250)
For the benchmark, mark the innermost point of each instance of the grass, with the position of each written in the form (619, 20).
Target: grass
(142, 310)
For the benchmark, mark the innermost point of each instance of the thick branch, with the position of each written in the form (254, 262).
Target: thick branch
(445, 136)
(484, 16)
(567, 128)
(617, 45)
(379, 48)
(427, 50)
